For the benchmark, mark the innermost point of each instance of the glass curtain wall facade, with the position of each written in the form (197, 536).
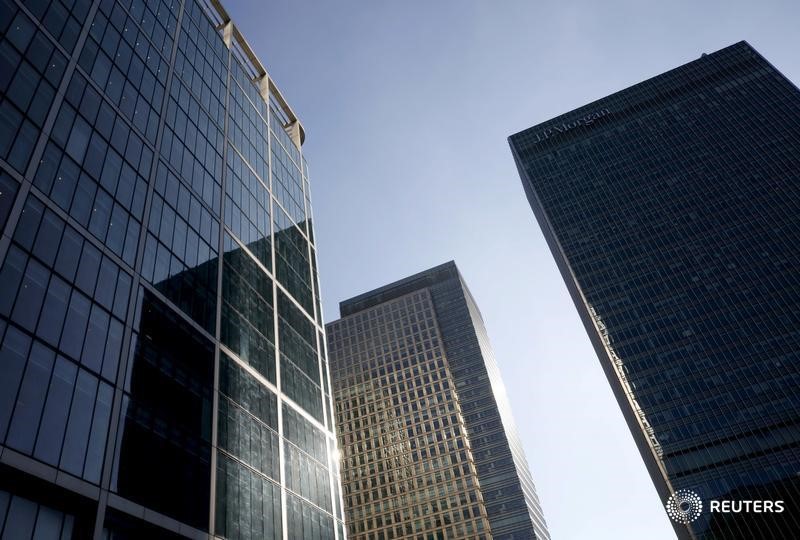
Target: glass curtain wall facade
(429, 447)
(673, 211)
(162, 355)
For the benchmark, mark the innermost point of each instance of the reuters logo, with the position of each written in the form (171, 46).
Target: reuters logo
(684, 506)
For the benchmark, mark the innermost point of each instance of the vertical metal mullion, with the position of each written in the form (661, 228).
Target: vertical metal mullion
(218, 334)
(264, 89)
(284, 497)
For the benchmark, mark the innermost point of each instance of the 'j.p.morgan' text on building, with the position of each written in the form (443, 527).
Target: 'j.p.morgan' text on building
(587, 120)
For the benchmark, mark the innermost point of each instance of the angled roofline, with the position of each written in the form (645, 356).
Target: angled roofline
(398, 288)
(233, 37)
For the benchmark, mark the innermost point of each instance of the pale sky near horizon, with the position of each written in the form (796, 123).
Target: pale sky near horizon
(407, 107)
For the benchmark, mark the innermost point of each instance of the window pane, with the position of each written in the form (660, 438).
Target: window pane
(48, 238)
(75, 327)
(97, 441)
(8, 189)
(80, 417)
(10, 277)
(112, 353)
(13, 355)
(54, 311)
(106, 283)
(48, 524)
(21, 518)
(87, 271)
(69, 254)
(92, 356)
(28, 223)
(56, 410)
(30, 401)
(31, 295)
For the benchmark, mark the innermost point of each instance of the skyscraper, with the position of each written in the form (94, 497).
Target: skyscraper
(672, 209)
(162, 364)
(429, 447)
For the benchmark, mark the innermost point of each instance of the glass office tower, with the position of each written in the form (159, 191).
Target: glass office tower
(429, 447)
(673, 211)
(162, 357)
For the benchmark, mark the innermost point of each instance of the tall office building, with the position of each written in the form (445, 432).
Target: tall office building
(672, 209)
(429, 447)
(162, 365)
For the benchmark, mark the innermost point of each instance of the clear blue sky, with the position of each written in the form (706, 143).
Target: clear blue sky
(407, 106)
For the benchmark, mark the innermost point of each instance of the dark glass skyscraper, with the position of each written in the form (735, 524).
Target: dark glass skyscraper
(162, 358)
(429, 447)
(673, 211)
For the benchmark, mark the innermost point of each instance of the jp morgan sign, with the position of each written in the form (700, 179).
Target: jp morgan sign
(559, 129)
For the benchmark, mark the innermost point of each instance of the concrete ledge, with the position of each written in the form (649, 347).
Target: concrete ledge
(28, 465)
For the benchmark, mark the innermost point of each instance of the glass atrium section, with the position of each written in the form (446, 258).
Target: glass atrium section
(428, 442)
(673, 211)
(162, 355)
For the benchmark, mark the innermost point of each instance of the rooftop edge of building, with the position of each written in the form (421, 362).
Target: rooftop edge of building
(234, 39)
(398, 288)
(592, 108)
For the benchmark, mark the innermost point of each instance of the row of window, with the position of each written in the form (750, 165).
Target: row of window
(302, 353)
(304, 434)
(247, 311)
(248, 289)
(23, 518)
(307, 477)
(246, 83)
(247, 208)
(287, 183)
(248, 504)
(242, 435)
(247, 130)
(454, 520)
(202, 61)
(193, 145)
(31, 69)
(248, 392)
(278, 122)
(292, 267)
(50, 408)
(306, 521)
(180, 251)
(105, 195)
(77, 309)
(302, 390)
(127, 68)
(412, 308)
(248, 343)
(158, 19)
(185, 206)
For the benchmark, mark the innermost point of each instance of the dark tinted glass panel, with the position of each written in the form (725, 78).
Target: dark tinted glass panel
(56, 412)
(30, 400)
(13, 357)
(8, 192)
(147, 102)
(167, 412)
(248, 504)
(119, 526)
(676, 214)
(31, 71)
(247, 312)
(25, 519)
